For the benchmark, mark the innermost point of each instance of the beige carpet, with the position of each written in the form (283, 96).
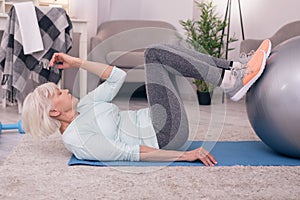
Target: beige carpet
(38, 170)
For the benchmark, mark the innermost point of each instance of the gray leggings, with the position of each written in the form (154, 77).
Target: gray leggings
(162, 64)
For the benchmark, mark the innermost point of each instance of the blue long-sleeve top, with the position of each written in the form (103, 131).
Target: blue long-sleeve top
(102, 132)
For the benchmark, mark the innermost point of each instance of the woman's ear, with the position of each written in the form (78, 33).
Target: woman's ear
(54, 113)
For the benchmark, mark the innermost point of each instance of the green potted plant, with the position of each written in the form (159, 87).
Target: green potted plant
(206, 36)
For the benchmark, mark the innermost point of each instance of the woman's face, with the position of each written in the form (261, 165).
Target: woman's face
(63, 101)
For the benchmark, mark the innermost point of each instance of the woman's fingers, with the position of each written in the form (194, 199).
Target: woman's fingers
(59, 60)
(206, 158)
(207, 161)
(212, 158)
(56, 58)
(53, 59)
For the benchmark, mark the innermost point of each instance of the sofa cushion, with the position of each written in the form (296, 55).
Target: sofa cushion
(109, 28)
(125, 59)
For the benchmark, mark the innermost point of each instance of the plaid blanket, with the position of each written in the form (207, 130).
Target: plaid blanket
(22, 73)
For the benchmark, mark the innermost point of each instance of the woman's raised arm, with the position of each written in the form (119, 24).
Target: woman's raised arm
(64, 61)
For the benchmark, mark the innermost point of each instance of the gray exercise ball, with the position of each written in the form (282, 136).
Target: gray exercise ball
(273, 102)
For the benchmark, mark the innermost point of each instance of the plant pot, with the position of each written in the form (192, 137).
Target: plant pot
(204, 98)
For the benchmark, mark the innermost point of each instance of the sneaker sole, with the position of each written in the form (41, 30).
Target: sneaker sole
(269, 50)
(246, 87)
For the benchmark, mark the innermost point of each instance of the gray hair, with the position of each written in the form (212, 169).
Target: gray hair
(35, 114)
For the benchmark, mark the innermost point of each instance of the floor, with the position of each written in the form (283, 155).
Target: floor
(39, 170)
(8, 138)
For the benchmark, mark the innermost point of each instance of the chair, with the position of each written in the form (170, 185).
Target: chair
(122, 43)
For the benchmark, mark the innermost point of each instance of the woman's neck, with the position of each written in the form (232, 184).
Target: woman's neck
(63, 127)
(66, 121)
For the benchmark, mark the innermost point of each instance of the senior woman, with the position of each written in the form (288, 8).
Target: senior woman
(95, 129)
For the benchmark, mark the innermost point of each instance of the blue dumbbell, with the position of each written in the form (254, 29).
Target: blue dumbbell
(12, 126)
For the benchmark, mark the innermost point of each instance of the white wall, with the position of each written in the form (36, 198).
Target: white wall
(168, 10)
(86, 10)
(103, 10)
(98, 11)
(261, 17)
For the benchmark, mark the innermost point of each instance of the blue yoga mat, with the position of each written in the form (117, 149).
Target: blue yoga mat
(244, 153)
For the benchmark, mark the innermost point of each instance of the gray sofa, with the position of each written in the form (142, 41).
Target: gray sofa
(287, 31)
(122, 43)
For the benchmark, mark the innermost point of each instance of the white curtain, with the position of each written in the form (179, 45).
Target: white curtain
(104, 7)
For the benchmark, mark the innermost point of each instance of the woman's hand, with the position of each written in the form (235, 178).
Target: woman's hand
(201, 154)
(64, 61)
